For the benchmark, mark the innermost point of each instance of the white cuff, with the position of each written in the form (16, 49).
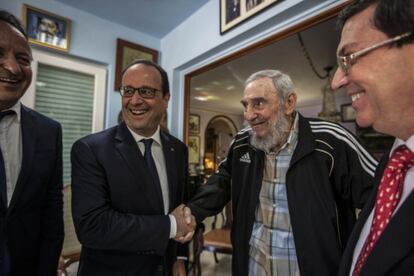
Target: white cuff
(173, 228)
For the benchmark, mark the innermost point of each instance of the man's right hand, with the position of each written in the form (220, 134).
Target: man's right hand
(185, 223)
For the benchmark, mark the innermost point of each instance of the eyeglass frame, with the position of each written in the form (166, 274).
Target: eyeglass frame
(138, 89)
(346, 62)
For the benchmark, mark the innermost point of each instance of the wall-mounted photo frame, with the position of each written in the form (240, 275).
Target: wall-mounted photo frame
(234, 12)
(348, 113)
(126, 52)
(46, 29)
(194, 123)
(193, 149)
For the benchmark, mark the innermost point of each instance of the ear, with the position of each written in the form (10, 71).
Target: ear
(290, 103)
(165, 99)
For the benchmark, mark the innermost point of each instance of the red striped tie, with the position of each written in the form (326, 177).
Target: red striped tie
(388, 196)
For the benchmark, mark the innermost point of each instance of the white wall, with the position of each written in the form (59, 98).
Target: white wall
(92, 38)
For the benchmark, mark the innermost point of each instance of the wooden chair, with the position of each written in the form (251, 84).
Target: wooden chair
(217, 240)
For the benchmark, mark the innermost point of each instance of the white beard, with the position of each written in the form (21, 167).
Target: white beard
(277, 133)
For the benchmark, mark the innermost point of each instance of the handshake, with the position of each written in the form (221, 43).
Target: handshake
(186, 223)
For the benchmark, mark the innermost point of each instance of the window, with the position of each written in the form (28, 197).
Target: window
(70, 91)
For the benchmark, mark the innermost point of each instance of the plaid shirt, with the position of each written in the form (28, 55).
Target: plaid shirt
(272, 247)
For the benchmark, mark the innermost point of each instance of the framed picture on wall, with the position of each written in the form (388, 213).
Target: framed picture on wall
(194, 123)
(233, 12)
(348, 113)
(126, 52)
(46, 29)
(193, 149)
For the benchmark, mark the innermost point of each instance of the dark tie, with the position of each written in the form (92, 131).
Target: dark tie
(5, 261)
(150, 161)
(388, 196)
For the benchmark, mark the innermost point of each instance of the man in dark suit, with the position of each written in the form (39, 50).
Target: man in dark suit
(128, 183)
(376, 65)
(31, 204)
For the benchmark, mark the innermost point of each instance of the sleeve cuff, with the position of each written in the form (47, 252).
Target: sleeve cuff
(173, 228)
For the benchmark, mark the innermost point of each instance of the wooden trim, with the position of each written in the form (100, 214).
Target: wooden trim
(187, 87)
(319, 18)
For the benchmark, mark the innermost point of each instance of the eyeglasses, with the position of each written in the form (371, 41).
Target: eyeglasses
(144, 92)
(345, 62)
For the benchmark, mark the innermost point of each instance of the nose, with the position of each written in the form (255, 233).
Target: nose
(136, 98)
(339, 79)
(249, 114)
(10, 63)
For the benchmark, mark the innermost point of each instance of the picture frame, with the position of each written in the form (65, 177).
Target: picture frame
(234, 12)
(194, 123)
(126, 52)
(46, 29)
(348, 113)
(193, 149)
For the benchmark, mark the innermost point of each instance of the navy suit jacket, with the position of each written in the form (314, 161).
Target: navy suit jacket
(394, 252)
(32, 225)
(117, 210)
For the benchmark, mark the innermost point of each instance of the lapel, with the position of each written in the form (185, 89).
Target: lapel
(29, 139)
(363, 216)
(170, 153)
(129, 150)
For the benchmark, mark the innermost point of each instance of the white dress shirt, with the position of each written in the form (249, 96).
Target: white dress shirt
(159, 159)
(408, 187)
(12, 148)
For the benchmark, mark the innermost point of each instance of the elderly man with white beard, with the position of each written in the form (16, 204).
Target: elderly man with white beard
(294, 183)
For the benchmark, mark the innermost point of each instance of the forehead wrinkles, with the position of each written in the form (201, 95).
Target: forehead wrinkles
(262, 86)
(12, 38)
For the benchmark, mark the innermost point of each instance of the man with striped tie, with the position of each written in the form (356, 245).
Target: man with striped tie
(375, 64)
(294, 182)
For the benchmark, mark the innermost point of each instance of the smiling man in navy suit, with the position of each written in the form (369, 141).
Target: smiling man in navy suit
(31, 203)
(128, 183)
(375, 67)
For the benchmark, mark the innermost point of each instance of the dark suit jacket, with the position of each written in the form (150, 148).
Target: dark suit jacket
(32, 225)
(394, 252)
(117, 210)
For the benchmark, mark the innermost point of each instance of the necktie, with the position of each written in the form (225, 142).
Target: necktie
(3, 184)
(5, 264)
(389, 192)
(149, 160)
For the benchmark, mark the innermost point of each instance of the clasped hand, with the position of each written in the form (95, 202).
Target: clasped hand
(185, 223)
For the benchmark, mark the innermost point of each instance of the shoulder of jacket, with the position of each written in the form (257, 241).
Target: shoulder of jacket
(242, 138)
(333, 137)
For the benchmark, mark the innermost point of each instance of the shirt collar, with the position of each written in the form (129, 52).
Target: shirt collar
(409, 143)
(293, 135)
(156, 136)
(16, 108)
(290, 143)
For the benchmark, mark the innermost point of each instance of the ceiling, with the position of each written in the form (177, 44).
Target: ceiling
(222, 88)
(153, 17)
